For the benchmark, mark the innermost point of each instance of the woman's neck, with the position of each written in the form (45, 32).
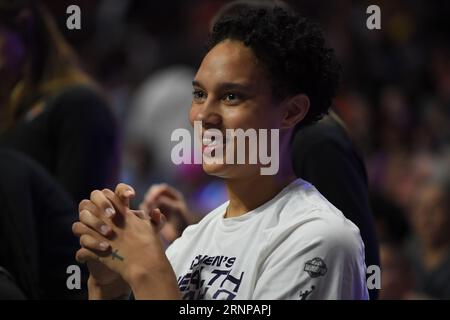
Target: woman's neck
(249, 193)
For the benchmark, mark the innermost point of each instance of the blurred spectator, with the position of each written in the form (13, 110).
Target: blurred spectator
(392, 230)
(8, 287)
(429, 248)
(391, 223)
(160, 106)
(50, 109)
(35, 223)
(396, 279)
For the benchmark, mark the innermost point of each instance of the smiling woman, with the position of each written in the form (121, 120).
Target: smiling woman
(235, 146)
(277, 237)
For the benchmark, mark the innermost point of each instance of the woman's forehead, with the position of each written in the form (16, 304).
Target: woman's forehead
(230, 61)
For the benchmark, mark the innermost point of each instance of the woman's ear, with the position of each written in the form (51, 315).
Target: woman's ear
(295, 110)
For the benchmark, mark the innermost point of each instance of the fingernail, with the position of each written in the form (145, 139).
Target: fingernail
(104, 245)
(128, 193)
(104, 229)
(110, 212)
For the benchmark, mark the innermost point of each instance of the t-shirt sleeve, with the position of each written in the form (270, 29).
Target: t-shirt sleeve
(178, 244)
(316, 260)
(172, 249)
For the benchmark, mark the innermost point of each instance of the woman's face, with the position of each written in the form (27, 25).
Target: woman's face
(12, 57)
(232, 91)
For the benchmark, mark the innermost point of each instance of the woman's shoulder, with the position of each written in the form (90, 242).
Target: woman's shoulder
(306, 215)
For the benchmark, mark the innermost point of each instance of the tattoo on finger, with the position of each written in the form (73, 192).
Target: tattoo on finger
(115, 255)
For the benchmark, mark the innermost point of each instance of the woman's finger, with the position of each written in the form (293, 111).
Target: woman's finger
(90, 220)
(84, 255)
(89, 242)
(79, 229)
(87, 205)
(119, 204)
(100, 200)
(155, 216)
(125, 193)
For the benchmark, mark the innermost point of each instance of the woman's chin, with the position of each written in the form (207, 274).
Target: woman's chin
(214, 169)
(230, 171)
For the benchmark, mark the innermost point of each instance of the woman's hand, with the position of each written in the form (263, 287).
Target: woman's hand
(103, 283)
(128, 245)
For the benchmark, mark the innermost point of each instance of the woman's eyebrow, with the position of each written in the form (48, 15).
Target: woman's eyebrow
(233, 86)
(226, 86)
(196, 83)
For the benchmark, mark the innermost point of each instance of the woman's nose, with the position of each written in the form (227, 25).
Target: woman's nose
(209, 115)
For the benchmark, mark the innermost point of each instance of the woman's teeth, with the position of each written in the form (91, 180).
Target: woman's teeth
(212, 142)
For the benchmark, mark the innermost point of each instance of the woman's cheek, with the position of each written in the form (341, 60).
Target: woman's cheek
(238, 118)
(193, 113)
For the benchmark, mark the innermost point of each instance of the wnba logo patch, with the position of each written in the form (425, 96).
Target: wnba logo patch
(315, 267)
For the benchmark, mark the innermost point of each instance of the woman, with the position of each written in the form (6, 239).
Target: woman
(49, 108)
(276, 237)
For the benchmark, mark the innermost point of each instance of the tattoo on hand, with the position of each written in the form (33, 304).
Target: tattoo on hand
(115, 255)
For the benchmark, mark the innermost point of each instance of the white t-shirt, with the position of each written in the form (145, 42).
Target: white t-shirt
(295, 246)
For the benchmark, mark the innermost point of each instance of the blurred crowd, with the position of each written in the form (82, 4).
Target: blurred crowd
(394, 100)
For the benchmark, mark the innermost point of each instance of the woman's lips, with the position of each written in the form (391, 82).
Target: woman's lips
(209, 144)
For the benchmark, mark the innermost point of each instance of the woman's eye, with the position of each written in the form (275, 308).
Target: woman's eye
(198, 95)
(231, 98)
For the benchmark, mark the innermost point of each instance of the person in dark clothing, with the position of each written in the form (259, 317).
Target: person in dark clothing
(35, 222)
(324, 155)
(74, 137)
(8, 287)
(50, 109)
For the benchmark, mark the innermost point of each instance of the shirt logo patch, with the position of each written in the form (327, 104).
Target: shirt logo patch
(304, 294)
(315, 267)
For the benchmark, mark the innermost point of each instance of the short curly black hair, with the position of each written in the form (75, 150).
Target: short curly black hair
(292, 49)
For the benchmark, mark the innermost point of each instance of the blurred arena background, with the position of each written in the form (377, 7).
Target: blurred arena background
(394, 99)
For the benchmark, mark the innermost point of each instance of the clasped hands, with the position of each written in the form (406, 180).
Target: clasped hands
(122, 247)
